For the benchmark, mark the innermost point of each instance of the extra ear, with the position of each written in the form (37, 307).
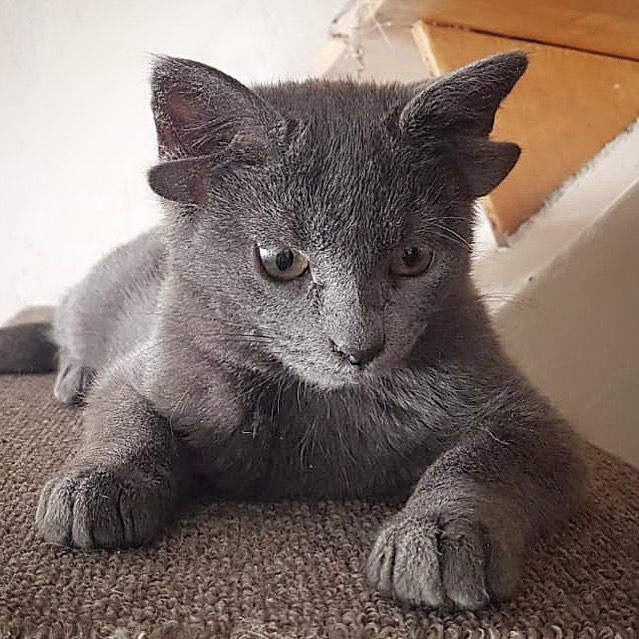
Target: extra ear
(205, 119)
(184, 181)
(458, 111)
(181, 181)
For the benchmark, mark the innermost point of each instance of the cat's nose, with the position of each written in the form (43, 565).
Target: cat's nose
(360, 358)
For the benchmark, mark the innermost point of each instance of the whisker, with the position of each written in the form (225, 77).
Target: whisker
(452, 235)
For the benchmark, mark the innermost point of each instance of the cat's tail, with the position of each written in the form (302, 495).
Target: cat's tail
(27, 347)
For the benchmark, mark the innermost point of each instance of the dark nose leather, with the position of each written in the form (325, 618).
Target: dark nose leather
(360, 358)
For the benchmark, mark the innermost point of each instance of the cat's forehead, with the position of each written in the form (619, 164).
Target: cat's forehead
(343, 208)
(343, 146)
(342, 121)
(348, 188)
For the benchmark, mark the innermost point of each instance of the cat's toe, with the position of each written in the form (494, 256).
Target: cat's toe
(100, 509)
(462, 562)
(403, 565)
(54, 515)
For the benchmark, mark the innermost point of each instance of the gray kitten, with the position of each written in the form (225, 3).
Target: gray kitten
(303, 325)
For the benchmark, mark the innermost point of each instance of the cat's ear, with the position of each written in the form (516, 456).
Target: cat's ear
(466, 100)
(205, 121)
(458, 111)
(199, 110)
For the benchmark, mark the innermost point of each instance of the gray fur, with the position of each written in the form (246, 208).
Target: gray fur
(205, 370)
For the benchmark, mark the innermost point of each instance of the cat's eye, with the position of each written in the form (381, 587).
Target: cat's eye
(283, 263)
(410, 261)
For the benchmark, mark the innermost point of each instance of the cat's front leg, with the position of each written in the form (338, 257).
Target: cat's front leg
(126, 479)
(461, 538)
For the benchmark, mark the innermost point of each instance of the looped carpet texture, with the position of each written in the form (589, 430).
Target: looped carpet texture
(286, 570)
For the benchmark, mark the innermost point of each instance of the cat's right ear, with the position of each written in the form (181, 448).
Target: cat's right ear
(456, 113)
(204, 119)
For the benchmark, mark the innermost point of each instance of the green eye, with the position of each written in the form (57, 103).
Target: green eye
(283, 263)
(410, 261)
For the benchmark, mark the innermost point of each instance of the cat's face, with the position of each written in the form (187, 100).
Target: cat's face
(322, 225)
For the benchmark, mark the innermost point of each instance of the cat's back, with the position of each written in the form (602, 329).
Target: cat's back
(114, 306)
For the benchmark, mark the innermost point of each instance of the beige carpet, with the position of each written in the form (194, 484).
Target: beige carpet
(287, 570)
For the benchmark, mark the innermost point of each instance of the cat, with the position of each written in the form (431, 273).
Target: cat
(303, 325)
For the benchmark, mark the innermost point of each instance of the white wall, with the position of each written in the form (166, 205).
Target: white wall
(76, 131)
(576, 334)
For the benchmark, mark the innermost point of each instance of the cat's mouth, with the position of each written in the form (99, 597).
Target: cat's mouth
(336, 378)
(356, 376)
(333, 370)
(348, 375)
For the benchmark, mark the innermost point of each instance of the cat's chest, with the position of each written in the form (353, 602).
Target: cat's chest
(303, 443)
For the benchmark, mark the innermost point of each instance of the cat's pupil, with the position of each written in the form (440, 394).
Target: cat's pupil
(410, 256)
(284, 260)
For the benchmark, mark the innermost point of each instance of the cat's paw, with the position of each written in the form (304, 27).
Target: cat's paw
(444, 560)
(102, 508)
(72, 384)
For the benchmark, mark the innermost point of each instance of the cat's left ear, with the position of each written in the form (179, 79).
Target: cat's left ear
(457, 112)
(205, 121)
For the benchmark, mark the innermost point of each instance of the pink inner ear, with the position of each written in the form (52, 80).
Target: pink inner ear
(182, 108)
(183, 118)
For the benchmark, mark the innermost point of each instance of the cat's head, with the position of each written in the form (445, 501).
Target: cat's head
(324, 224)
